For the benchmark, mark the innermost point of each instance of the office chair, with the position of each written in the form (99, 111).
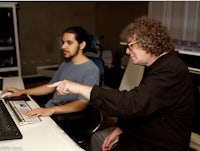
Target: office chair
(97, 50)
(132, 76)
(100, 64)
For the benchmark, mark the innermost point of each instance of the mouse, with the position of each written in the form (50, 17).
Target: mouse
(5, 95)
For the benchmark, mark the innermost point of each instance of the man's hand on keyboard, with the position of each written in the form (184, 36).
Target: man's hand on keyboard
(41, 112)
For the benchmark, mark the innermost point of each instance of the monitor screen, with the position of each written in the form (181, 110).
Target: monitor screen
(6, 27)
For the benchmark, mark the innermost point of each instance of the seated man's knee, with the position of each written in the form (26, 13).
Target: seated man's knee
(98, 138)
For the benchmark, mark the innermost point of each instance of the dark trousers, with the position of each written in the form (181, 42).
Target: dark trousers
(74, 124)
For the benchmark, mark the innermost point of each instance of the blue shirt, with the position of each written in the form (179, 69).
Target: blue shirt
(86, 73)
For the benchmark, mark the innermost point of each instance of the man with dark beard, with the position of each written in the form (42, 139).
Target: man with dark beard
(77, 67)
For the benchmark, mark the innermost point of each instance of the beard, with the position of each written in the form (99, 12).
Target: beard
(71, 55)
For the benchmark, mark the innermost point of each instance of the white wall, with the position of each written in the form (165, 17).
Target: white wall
(182, 18)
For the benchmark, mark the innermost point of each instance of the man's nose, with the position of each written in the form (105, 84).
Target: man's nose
(127, 51)
(64, 45)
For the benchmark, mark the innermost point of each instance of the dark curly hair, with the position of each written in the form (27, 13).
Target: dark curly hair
(151, 35)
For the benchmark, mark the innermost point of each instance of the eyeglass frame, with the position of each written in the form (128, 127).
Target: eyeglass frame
(128, 45)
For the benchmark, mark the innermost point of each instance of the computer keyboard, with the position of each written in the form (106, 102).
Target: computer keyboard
(8, 128)
(20, 108)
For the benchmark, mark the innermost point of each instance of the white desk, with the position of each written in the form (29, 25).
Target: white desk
(43, 136)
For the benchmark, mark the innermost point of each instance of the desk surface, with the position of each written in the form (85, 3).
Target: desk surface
(43, 136)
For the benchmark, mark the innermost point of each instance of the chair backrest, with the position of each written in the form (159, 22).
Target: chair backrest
(132, 76)
(100, 64)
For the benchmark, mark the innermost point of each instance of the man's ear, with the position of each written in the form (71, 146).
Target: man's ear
(82, 45)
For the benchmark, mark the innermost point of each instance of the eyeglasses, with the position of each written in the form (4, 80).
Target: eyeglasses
(128, 45)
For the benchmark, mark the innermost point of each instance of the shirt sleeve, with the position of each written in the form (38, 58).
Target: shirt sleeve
(156, 93)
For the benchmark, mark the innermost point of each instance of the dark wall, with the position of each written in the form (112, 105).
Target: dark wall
(111, 17)
(41, 25)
